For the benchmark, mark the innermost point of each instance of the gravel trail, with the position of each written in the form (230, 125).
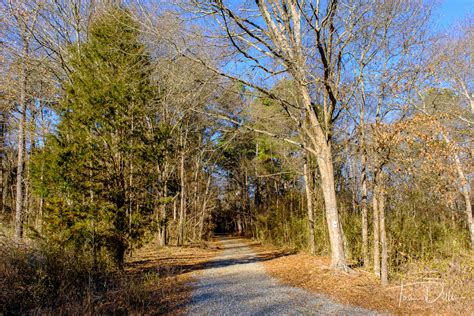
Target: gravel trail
(235, 283)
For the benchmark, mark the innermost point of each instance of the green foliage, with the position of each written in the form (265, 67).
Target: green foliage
(418, 230)
(421, 231)
(281, 223)
(96, 174)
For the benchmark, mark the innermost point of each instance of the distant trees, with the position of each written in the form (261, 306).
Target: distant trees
(451, 102)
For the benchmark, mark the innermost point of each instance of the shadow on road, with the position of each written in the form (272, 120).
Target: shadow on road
(154, 265)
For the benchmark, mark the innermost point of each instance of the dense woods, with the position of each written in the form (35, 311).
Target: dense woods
(338, 128)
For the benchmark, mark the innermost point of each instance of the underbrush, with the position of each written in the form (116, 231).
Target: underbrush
(441, 284)
(43, 279)
(416, 233)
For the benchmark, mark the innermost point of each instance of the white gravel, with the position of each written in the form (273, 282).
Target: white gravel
(235, 283)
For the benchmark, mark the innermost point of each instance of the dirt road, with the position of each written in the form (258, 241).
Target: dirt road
(235, 283)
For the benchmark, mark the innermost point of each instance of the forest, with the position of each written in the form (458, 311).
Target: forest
(336, 129)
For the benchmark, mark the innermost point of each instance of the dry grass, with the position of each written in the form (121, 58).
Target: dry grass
(361, 288)
(42, 280)
(173, 267)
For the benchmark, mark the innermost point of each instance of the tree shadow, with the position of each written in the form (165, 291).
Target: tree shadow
(164, 267)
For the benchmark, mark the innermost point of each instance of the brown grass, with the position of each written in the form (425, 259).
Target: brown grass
(361, 288)
(44, 280)
(174, 267)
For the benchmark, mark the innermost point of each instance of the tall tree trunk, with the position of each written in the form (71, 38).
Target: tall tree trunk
(309, 206)
(182, 205)
(468, 210)
(257, 198)
(163, 227)
(464, 191)
(363, 174)
(162, 236)
(467, 198)
(21, 154)
(239, 224)
(322, 144)
(175, 208)
(2, 153)
(26, 192)
(376, 221)
(383, 238)
(204, 206)
(196, 196)
(325, 164)
(365, 228)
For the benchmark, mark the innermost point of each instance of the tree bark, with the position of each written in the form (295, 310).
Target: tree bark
(383, 239)
(162, 238)
(321, 142)
(309, 206)
(364, 212)
(2, 153)
(196, 197)
(365, 229)
(464, 191)
(21, 154)
(376, 220)
(204, 206)
(182, 203)
(468, 210)
(467, 197)
(338, 258)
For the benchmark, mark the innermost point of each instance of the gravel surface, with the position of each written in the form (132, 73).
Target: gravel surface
(235, 283)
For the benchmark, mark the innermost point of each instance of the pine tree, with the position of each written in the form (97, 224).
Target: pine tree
(98, 176)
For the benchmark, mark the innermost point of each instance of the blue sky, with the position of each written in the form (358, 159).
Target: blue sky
(453, 11)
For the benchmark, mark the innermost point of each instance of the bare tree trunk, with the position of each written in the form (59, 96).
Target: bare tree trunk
(40, 206)
(26, 192)
(182, 203)
(467, 198)
(162, 238)
(41, 198)
(257, 182)
(174, 209)
(204, 206)
(309, 206)
(465, 192)
(239, 224)
(2, 153)
(338, 258)
(21, 154)
(326, 170)
(383, 238)
(353, 184)
(376, 221)
(468, 210)
(365, 229)
(195, 198)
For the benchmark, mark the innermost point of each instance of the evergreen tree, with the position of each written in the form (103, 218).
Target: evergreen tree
(98, 180)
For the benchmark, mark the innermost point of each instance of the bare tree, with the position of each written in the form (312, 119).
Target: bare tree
(23, 19)
(451, 65)
(312, 43)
